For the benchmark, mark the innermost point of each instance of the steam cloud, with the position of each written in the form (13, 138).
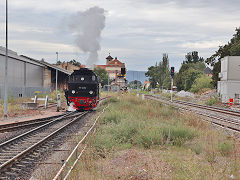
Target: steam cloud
(87, 26)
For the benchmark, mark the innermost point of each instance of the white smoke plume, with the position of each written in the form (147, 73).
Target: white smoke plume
(87, 26)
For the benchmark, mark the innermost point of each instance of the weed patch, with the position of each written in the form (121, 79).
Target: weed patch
(226, 148)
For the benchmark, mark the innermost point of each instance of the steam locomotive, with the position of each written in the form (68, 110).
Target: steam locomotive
(83, 90)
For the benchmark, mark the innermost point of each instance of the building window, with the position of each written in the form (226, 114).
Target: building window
(66, 67)
(115, 62)
(117, 65)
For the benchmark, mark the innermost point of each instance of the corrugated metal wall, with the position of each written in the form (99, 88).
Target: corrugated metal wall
(23, 78)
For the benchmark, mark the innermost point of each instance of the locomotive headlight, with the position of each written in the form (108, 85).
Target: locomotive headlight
(90, 92)
(73, 91)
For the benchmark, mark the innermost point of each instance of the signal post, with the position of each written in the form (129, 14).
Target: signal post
(172, 75)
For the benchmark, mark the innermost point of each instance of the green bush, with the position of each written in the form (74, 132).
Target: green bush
(178, 134)
(111, 118)
(226, 148)
(211, 101)
(197, 148)
(148, 137)
(200, 83)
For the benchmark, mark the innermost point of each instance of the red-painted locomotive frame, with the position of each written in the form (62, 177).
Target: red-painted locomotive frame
(89, 103)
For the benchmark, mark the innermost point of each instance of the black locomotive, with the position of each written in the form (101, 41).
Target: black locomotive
(83, 89)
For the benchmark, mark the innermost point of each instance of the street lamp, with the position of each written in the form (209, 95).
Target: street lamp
(56, 75)
(6, 66)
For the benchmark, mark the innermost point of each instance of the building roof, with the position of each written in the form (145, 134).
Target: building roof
(49, 65)
(115, 61)
(207, 70)
(109, 57)
(14, 55)
(101, 66)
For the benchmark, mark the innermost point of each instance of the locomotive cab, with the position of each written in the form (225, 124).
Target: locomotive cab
(83, 89)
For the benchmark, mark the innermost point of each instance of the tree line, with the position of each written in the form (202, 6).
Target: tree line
(191, 73)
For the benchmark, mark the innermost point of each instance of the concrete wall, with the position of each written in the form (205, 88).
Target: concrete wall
(229, 86)
(230, 68)
(228, 89)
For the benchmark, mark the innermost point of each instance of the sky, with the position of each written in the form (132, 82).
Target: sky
(138, 32)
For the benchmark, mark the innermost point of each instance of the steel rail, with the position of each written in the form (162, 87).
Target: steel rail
(23, 124)
(75, 149)
(212, 108)
(31, 131)
(229, 123)
(34, 146)
(214, 122)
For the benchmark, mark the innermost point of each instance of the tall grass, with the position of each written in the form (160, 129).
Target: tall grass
(184, 142)
(132, 122)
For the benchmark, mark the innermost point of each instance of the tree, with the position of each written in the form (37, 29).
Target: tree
(135, 84)
(58, 62)
(200, 83)
(102, 75)
(192, 57)
(75, 63)
(232, 48)
(159, 73)
(191, 68)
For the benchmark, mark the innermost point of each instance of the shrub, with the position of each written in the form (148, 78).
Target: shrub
(197, 148)
(211, 101)
(226, 148)
(178, 135)
(200, 83)
(148, 137)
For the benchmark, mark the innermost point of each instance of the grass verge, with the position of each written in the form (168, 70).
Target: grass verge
(138, 139)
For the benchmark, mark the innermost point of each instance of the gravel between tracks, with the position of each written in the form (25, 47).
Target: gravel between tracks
(51, 163)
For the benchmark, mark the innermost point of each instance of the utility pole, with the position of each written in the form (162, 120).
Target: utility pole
(171, 89)
(172, 75)
(56, 77)
(6, 66)
(108, 82)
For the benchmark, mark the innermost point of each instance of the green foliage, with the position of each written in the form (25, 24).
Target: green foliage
(159, 73)
(75, 63)
(200, 83)
(226, 148)
(102, 75)
(133, 122)
(232, 48)
(197, 148)
(135, 84)
(191, 69)
(58, 62)
(178, 135)
(211, 101)
(192, 57)
(148, 138)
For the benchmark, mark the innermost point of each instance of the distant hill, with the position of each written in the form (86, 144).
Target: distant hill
(136, 75)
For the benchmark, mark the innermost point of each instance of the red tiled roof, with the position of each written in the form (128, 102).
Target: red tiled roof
(83, 66)
(101, 66)
(114, 62)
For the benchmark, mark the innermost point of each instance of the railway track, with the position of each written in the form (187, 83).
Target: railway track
(18, 152)
(25, 124)
(220, 117)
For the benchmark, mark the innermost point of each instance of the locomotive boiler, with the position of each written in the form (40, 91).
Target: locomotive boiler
(83, 90)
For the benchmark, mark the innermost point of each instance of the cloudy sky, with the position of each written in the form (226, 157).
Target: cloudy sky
(138, 32)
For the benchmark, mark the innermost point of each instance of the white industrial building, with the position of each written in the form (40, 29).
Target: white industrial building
(229, 84)
(27, 75)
